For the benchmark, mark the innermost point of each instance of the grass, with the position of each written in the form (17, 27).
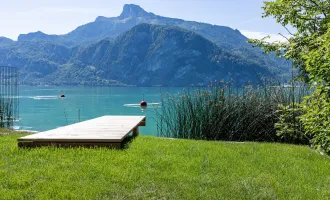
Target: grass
(159, 168)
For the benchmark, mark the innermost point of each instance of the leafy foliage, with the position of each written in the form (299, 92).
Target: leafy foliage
(289, 126)
(316, 120)
(309, 50)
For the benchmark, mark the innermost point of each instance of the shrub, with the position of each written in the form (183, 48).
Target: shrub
(289, 126)
(316, 120)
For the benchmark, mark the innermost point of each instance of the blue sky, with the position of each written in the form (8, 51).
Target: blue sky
(63, 16)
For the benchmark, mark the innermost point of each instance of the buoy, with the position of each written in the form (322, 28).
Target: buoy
(62, 95)
(143, 104)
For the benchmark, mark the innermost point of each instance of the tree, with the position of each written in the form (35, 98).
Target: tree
(308, 48)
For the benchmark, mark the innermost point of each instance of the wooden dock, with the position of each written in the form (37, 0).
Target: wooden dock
(108, 131)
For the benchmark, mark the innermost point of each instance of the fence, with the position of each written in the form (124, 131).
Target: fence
(9, 96)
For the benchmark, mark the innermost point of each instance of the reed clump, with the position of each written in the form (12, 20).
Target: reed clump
(6, 112)
(225, 112)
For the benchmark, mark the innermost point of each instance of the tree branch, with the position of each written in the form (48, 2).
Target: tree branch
(284, 37)
(288, 31)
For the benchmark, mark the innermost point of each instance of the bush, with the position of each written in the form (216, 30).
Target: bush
(316, 120)
(290, 126)
(222, 112)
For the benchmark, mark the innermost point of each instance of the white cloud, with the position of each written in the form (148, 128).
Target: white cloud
(260, 35)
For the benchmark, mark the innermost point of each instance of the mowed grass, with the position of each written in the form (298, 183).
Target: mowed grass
(156, 168)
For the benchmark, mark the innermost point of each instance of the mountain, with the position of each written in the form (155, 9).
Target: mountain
(139, 48)
(131, 16)
(5, 41)
(35, 59)
(165, 55)
(146, 55)
(37, 36)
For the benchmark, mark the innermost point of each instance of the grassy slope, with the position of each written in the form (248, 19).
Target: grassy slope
(164, 168)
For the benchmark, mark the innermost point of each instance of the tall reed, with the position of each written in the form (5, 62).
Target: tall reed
(6, 112)
(224, 112)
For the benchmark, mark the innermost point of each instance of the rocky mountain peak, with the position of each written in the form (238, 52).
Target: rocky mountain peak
(131, 10)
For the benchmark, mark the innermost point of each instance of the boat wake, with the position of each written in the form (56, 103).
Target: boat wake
(43, 97)
(24, 128)
(138, 105)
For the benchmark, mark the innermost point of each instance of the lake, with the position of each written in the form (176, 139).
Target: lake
(42, 108)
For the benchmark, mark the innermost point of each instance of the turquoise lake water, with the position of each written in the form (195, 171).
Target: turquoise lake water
(41, 108)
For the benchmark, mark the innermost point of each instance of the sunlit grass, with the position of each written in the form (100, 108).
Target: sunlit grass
(162, 168)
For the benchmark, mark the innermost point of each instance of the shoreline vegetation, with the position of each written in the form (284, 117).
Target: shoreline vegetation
(154, 167)
(225, 112)
(6, 112)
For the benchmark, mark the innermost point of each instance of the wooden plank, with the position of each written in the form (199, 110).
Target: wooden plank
(102, 130)
(27, 144)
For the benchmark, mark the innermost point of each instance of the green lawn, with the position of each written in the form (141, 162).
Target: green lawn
(154, 168)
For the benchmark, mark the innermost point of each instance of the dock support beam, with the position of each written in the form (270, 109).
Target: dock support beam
(135, 131)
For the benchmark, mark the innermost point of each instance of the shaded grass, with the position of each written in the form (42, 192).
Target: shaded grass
(159, 168)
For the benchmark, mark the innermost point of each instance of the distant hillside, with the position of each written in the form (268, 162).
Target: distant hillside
(165, 55)
(146, 55)
(5, 41)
